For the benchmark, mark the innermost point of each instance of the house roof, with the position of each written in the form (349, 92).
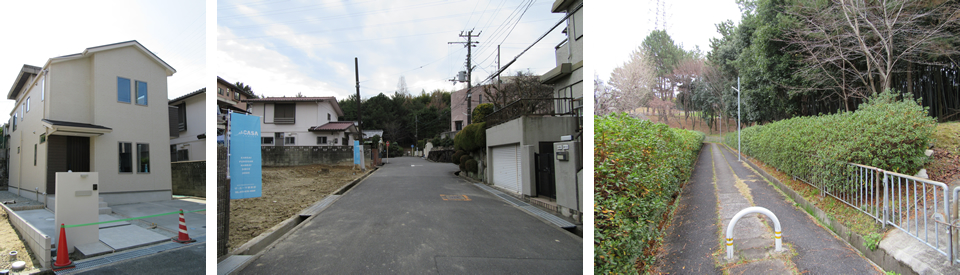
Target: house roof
(132, 43)
(191, 94)
(21, 80)
(69, 128)
(335, 126)
(234, 87)
(332, 100)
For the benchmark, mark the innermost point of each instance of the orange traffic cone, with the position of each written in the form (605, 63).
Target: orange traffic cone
(183, 237)
(63, 259)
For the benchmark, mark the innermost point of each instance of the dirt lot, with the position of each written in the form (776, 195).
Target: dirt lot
(10, 241)
(286, 191)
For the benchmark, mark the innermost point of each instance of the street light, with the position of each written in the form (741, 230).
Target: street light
(738, 118)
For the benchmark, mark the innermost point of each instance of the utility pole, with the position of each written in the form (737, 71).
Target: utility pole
(469, 44)
(356, 66)
(739, 152)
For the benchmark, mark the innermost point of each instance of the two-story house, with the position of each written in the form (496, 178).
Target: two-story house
(536, 152)
(101, 110)
(231, 97)
(188, 134)
(302, 121)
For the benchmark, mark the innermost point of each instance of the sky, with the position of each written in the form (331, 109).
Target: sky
(174, 30)
(285, 47)
(621, 27)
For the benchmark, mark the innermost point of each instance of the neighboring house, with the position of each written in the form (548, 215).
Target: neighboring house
(102, 110)
(458, 106)
(524, 145)
(302, 121)
(188, 133)
(229, 97)
(367, 134)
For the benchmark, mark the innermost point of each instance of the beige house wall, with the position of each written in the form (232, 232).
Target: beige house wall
(24, 174)
(84, 90)
(137, 124)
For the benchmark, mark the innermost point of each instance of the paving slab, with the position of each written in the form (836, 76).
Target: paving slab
(129, 236)
(93, 249)
(196, 221)
(106, 217)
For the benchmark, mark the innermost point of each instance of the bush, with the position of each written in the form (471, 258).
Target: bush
(421, 144)
(463, 161)
(885, 132)
(456, 156)
(481, 112)
(471, 165)
(471, 138)
(395, 150)
(375, 139)
(638, 170)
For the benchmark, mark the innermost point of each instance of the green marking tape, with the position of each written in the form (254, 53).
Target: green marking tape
(130, 219)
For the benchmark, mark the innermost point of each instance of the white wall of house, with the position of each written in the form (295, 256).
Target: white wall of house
(196, 125)
(84, 90)
(308, 114)
(526, 132)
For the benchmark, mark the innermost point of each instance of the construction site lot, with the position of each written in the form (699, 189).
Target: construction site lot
(10, 241)
(286, 191)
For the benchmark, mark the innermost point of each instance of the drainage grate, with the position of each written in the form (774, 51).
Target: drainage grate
(529, 208)
(553, 219)
(83, 265)
(316, 208)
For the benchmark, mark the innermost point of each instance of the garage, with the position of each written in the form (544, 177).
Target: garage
(506, 167)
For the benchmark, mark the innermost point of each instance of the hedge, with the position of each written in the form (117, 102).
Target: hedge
(887, 132)
(471, 138)
(639, 167)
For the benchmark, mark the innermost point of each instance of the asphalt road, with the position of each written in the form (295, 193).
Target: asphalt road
(186, 260)
(397, 222)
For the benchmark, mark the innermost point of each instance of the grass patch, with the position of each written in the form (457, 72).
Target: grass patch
(946, 137)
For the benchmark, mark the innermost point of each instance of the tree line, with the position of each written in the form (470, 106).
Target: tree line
(798, 58)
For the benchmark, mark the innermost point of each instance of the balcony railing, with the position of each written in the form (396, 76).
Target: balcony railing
(560, 106)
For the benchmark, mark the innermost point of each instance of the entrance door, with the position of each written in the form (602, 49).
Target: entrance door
(278, 139)
(66, 153)
(545, 176)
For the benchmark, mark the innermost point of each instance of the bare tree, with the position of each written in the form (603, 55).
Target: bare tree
(402, 86)
(855, 46)
(632, 83)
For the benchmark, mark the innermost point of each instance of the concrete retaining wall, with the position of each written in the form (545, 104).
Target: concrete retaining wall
(189, 178)
(306, 155)
(36, 241)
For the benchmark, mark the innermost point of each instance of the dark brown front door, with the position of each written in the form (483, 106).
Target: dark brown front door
(66, 153)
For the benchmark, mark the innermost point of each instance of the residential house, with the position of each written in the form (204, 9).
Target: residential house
(458, 106)
(536, 152)
(302, 121)
(101, 110)
(188, 133)
(230, 97)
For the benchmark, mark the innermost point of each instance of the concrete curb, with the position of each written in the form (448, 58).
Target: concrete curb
(879, 257)
(266, 240)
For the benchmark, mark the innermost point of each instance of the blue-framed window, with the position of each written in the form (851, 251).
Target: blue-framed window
(141, 93)
(123, 89)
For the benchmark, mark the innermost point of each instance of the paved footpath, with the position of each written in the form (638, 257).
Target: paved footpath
(696, 232)
(397, 222)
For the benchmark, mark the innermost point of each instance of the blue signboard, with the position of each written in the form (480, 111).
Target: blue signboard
(356, 152)
(245, 174)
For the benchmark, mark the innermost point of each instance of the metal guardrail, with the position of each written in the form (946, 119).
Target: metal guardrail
(920, 207)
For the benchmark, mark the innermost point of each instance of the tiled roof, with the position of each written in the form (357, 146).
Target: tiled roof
(74, 124)
(200, 91)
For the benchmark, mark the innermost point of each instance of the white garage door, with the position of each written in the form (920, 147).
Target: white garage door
(506, 167)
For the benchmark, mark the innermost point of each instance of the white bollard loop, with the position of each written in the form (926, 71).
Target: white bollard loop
(749, 210)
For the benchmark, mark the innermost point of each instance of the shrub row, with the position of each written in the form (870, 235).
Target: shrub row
(886, 132)
(471, 138)
(639, 167)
